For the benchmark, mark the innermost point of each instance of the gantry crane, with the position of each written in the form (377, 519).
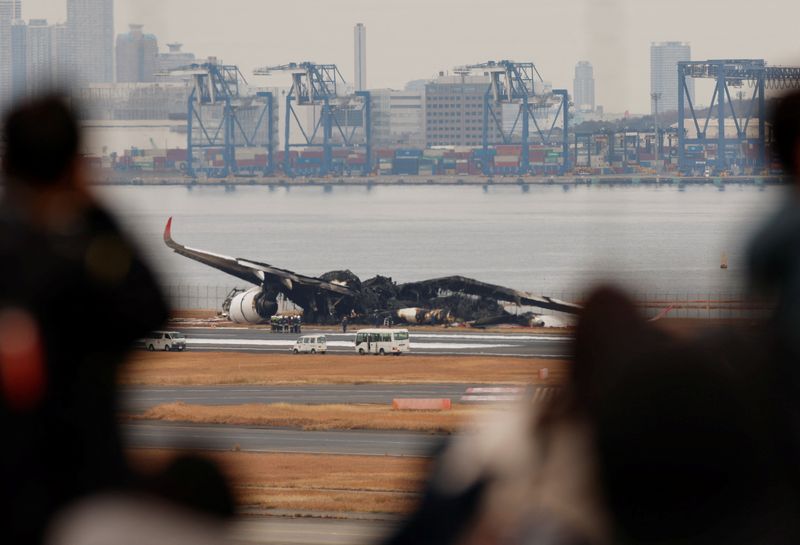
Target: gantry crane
(729, 73)
(519, 83)
(344, 121)
(220, 119)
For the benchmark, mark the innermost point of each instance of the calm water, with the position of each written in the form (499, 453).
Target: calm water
(546, 241)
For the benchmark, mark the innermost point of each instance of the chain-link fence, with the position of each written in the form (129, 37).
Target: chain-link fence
(187, 297)
(192, 297)
(718, 305)
(710, 305)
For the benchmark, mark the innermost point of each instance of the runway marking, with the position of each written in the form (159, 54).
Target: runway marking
(424, 335)
(490, 337)
(337, 344)
(415, 352)
(497, 390)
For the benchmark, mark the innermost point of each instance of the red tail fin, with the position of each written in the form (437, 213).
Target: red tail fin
(168, 230)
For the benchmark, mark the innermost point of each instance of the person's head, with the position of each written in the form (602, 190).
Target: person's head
(41, 138)
(786, 132)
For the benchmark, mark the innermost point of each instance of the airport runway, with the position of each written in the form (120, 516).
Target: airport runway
(428, 343)
(137, 399)
(309, 531)
(254, 439)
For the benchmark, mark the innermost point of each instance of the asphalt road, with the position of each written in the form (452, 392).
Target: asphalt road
(137, 399)
(254, 439)
(309, 531)
(428, 343)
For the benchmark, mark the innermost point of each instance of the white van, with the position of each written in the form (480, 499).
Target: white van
(165, 340)
(310, 344)
(382, 341)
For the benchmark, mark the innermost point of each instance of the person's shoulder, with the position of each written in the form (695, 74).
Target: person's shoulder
(98, 218)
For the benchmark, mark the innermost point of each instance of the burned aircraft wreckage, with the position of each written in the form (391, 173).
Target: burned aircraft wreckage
(336, 294)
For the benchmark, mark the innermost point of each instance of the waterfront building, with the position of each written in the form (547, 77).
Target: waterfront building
(454, 111)
(398, 118)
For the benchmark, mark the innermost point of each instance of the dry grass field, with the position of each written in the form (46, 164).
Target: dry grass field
(311, 482)
(208, 368)
(319, 417)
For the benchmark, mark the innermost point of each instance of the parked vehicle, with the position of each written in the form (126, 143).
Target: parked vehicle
(310, 344)
(382, 341)
(165, 340)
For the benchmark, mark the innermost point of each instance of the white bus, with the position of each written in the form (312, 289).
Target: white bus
(382, 341)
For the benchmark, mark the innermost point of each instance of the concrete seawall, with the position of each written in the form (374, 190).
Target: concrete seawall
(369, 181)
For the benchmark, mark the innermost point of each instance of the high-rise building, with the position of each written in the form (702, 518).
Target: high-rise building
(8, 9)
(60, 51)
(454, 111)
(664, 59)
(583, 87)
(137, 56)
(19, 59)
(360, 80)
(91, 40)
(39, 56)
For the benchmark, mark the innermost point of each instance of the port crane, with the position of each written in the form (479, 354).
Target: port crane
(344, 121)
(729, 73)
(220, 119)
(519, 83)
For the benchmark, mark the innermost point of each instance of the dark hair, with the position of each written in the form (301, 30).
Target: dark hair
(41, 140)
(786, 130)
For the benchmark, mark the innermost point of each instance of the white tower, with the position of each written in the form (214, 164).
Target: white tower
(360, 79)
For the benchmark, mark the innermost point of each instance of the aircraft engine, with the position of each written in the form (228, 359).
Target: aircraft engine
(416, 315)
(251, 307)
(412, 315)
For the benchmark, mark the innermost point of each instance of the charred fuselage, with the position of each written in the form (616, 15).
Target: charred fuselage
(338, 294)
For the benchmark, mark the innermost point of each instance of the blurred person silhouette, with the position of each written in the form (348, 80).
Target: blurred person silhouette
(74, 296)
(774, 272)
(684, 440)
(654, 440)
(774, 253)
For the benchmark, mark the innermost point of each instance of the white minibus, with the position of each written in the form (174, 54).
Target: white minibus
(382, 341)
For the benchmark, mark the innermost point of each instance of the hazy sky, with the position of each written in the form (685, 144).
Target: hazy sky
(414, 39)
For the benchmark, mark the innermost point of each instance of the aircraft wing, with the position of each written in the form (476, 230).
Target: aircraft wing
(430, 289)
(251, 271)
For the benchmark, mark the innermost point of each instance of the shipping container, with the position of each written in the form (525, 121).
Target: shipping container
(176, 155)
(406, 165)
(508, 149)
(506, 159)
(414, 153)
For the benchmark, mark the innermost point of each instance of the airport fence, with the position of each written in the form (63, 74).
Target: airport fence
(189, 297)
(195, 297)
(709, 305)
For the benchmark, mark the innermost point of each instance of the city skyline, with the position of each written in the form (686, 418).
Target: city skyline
(405, 47)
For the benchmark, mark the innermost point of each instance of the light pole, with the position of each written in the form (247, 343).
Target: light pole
(656, 97)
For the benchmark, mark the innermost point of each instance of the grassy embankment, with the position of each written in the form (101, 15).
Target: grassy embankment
(311, 482)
